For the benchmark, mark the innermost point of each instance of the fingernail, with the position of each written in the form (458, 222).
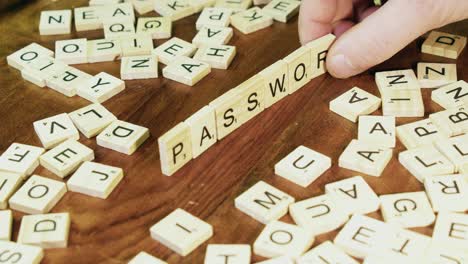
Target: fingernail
(341, 67)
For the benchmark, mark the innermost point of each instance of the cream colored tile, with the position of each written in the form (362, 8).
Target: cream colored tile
(72, 51)
(455, 149)
(67, 81)
(229, 110)
(208, 36)
(118, 12)
(199, 5)
(452, 122)
(9, 183)
(418, 134)
(6, 218)
(326, 253)
(137, 45)
(143, 6)
(87, 18)
(282, 10)
(444, 254)
(403, 103)
(55, 130)
(145, 258)
(118, 29)
(399, 80)
(276, 82)
(123, 137)
(92, 119)
(251, 20)
(27, 55)
(217, 56)
(186, 70)
(21, 254)
(100, 50)
(235, 5)
(214, 17)
(451, 231)
(55, 22)
(46, 230)
(175, 148)
(139, 67)
(156, 27)
(175, 47)
(354, 103)
(202, 130)
(20, 159)
(318, 54)
(298, 68)
(174, 9)
(377, 130)
(252, 93)
(444, 44)
(447, 193)
(100, 88)
(225, 253)
(435, 75)
(452, 95)
(42, 69)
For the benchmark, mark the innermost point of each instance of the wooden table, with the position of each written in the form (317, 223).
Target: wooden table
(116, 229)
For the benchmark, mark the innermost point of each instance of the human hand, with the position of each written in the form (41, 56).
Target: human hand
(368, 35)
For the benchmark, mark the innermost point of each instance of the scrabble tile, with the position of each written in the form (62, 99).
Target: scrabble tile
(298, 68)
(142, 6)
(172, 49)
(282, 239)
(202, 130)
(118, 29)
(181, 232)
(354, 103)
(320, 214)
(326, 253)
(377, 130)
(455, 149)
(444, 44)
(444, 254)
(303, 166)
(100, 50)
(418, 134)
(28, 54)
(156, 27)
(174, 9)
(399, 80)
(199, 5)
(252, 93)
(214, 17)
(55, 130)
(233, 254)
(276, 82)
(251, 20)
(100, 88)
(145, 258)
(9, 183)
(6, 218)
(175, 148)
(87, 18)
(403, 103)
(213, 36)
(451, 230)
(278, 260)
(407, 210)
(139, 67)
(46, 230)
(365, 158)
(447, 193)
(123, 137)
(452, 122)
(186, 70)
(118, 12)
(217, 56)
(354, 195)
(464, 169)
(264, 202)
(452, 95)
(137, 45)
(425, 161)
(55, 22)
(67, 81)
(72, 51)
(235, 5)
(92, 119)
(95, 179)
(318, 54)
(435, 75)
(38, 195)
(282, 10)
(21, 254)
(20, 159)
(229, 110)
(40, 70)
(65, 158)
(104, 2)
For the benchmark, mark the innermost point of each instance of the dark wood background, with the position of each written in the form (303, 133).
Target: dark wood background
(116, 229)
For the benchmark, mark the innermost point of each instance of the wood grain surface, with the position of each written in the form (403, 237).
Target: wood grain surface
(116, 229)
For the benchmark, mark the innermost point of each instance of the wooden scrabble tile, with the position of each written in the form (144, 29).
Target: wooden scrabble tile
(28, 54)
(318, 54)
(92, 119)
(251, 20)
(224, 253)
(235, 5)
(42, 69)
(20, 159)
(55, 130)
(145, 258)
(452, 95)
(65, 158)
(407, 210)
(100, 50)
(118, 12)
(418, 134)
(455, 149)
(175, 148)
(229, 110)
(123, 137)
(282, 239)
(354, 103)
(181, 232)
(139, 67)
(174, 48)
(326, 253)
(320, 214)
(252, 93)
(298, 68)
(87, 18)
(156, 27)
(9, 183)
(438, 254)
(202, 130)
(174, 9)
(137, 45)
(38, 195)
(264, 202)
(118, 29)
(303, 166)
(365, 158)
(6, 218)
(403, 103)
(67, 81)
(214, 17)
(451, 230)
(199, 5)
(100, 88)
(186, 70)
(354, 195)
(444, 44)
(45, 230)
(377, 130)
(142, 6)
(425, 161)
(276, 82)
(278, 260)
(21, 254)
(212, 36)
(282, 10)
(452, 122)
(396, 81)
(95, 179)
(447, 192)
(55, 22)
(435, 75)
(217, 56)
(72, 51)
